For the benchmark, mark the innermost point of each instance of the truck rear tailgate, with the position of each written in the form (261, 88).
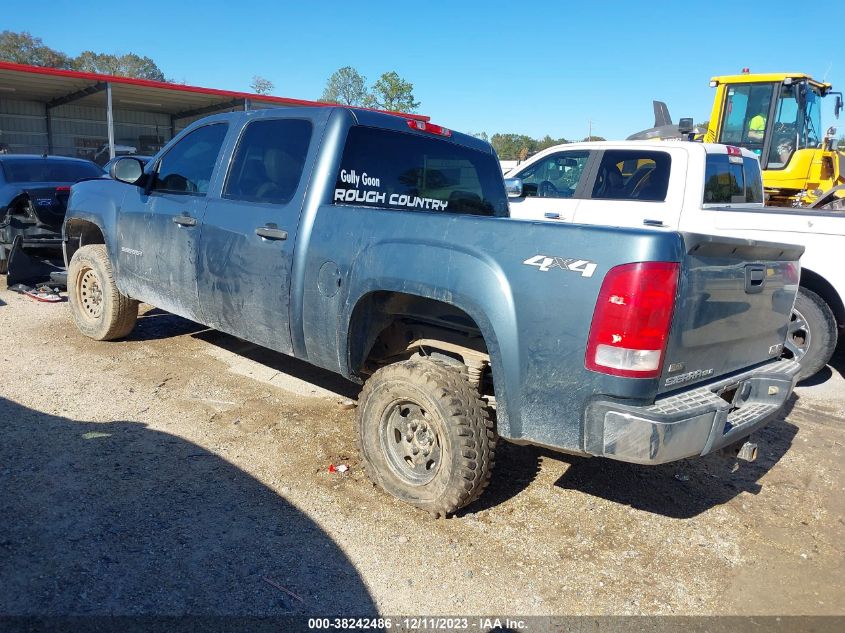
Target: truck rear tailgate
(733, 309)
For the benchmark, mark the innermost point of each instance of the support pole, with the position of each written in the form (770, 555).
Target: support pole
(110, 120)
(49, 130)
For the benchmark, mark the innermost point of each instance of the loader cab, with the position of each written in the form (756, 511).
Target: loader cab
(778, 117)
(774, 119)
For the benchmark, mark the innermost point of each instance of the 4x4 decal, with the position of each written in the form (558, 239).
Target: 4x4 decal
(546, 263)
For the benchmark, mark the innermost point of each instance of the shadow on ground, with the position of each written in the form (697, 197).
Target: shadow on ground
(282, 363)
(835, 366)
(115, 518)
(685, 488)
(158, 324)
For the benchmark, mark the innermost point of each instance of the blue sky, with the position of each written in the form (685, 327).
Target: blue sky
(532, 68)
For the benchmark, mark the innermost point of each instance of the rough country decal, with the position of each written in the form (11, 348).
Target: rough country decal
(546, 263)
(375, 197)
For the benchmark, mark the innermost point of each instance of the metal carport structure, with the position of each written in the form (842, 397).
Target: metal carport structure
(71, 113)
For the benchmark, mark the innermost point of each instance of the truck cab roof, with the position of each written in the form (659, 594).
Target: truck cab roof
(661, 145)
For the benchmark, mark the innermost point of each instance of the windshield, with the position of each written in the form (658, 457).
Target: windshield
(796, 127)
(46, 170)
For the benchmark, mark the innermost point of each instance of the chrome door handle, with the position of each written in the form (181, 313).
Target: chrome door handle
(184, 220)
(271, 232)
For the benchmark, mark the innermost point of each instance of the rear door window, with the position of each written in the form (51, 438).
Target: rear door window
(269, 160)
(409, 172)
(632, 175)
(727, 182)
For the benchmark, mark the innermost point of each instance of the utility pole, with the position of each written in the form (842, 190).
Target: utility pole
(590, 129)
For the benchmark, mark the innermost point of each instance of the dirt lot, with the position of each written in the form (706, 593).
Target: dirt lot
(184, 471)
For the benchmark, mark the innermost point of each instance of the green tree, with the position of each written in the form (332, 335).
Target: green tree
(346, 86)
(128, 65)
(520, 146)
(547, 141)
(261, 85)
(391, 92)
(23, 48)
(587, 139)
(512, 146)
(482, 135)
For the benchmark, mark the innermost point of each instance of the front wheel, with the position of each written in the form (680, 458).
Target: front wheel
(99, 310)
(425, 435)
(812, 334)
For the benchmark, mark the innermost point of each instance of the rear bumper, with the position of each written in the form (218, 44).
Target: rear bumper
(693, 422)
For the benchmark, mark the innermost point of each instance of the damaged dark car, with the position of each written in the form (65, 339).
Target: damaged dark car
(34, 191)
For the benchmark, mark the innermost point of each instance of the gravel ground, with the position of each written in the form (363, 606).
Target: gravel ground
(184, 471)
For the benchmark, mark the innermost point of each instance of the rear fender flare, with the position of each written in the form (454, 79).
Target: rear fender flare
(459, 277)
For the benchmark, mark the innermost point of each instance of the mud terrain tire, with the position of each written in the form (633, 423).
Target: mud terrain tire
(425, 435)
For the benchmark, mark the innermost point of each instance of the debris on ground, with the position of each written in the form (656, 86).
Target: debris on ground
(93, 435)
(340, 468)
(41, 293)
(273, 583)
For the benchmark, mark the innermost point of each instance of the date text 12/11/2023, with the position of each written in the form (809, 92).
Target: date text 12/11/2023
(417, 623)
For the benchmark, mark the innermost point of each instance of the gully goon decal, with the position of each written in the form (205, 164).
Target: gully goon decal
(367, 190)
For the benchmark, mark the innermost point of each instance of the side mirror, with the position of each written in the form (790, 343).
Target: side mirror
(837, 107)
(127, 169)
(513, 187)
(685, 125)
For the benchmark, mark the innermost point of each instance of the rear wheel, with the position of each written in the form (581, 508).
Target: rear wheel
(99, 310)
(425, 435)
(812, 334)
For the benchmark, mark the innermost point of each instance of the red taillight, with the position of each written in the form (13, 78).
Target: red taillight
(425, 126)
(58, 189)
(631, 320)
(734, 155)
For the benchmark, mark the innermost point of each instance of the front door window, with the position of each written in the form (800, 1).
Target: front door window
(556, 176)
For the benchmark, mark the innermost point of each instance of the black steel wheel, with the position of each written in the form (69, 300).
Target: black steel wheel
(425, 435)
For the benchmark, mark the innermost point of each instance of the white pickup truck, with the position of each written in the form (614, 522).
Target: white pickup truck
(695, 187)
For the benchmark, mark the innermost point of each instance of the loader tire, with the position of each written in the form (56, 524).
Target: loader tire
(99, 310)
(425, 435)
(812, 334)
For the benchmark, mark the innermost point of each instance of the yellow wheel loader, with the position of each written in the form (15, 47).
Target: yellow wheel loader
(778, 117)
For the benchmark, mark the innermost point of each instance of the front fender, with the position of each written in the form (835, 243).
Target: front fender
(97, 202)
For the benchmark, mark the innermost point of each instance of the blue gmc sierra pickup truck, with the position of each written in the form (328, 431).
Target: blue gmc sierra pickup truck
(379, 247)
